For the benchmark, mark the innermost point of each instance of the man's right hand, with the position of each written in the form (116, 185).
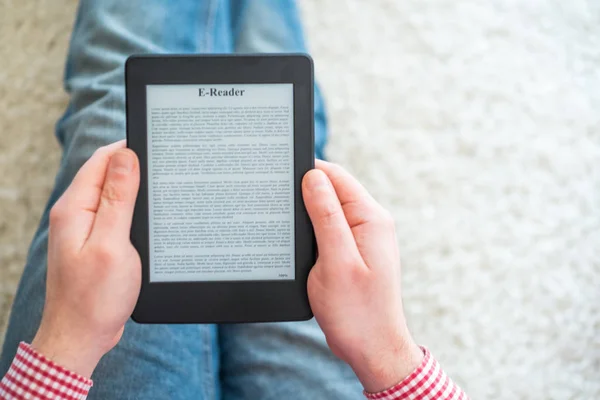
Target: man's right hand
(94, 272)
(354, 288)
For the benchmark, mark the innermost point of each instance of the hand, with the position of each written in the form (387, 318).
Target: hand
(354, 288)
(94, 272)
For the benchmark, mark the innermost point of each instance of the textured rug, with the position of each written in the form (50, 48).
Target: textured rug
(476, 123)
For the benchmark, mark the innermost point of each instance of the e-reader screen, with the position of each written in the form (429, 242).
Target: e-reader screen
(221, 182)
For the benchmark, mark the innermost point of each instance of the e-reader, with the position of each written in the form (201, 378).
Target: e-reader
(219, 223)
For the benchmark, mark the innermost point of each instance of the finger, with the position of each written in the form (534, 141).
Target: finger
(117, 200)
(92, 173)
(72, 216)
(359, 206)
(334, 237)
(372, 226)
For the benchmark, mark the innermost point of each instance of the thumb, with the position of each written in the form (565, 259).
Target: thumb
(334, 236)
(117, 200)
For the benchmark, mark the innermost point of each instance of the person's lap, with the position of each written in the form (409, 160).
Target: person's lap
(250, 361)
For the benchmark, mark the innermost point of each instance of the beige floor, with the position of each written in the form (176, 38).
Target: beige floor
(476, 123)
(32, 52)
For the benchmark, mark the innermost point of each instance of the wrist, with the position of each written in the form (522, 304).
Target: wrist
(383, 369)
(76, 354)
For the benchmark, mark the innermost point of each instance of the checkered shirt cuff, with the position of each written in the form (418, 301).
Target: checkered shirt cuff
(33, 376)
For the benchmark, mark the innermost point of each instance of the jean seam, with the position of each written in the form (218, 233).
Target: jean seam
(210, 25)
(209, 390)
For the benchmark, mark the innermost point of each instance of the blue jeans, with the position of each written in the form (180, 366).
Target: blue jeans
(245, 361)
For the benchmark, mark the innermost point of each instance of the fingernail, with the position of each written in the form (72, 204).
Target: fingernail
(317, 179)
(122, 161)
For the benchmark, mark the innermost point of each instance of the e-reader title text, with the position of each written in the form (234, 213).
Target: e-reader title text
(212, 92)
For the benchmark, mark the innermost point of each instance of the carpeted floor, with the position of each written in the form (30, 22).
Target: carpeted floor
(476, 123)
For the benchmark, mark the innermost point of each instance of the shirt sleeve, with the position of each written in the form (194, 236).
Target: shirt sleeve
(33, 376)
(427, 382)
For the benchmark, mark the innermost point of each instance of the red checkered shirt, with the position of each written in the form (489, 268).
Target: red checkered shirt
(427, 382)
(33, 376)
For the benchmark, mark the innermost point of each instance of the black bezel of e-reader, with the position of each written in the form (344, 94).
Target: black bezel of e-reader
(223, 301)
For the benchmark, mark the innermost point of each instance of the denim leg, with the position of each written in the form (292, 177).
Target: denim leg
(272, 26)
(151, 361)
(281, 360)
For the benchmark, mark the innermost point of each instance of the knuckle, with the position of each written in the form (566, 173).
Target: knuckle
(104, 255)
(112, 192)
(57, 213)
(357, 274)
(349, 264)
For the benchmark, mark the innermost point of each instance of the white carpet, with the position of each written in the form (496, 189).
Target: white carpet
(476, 123)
